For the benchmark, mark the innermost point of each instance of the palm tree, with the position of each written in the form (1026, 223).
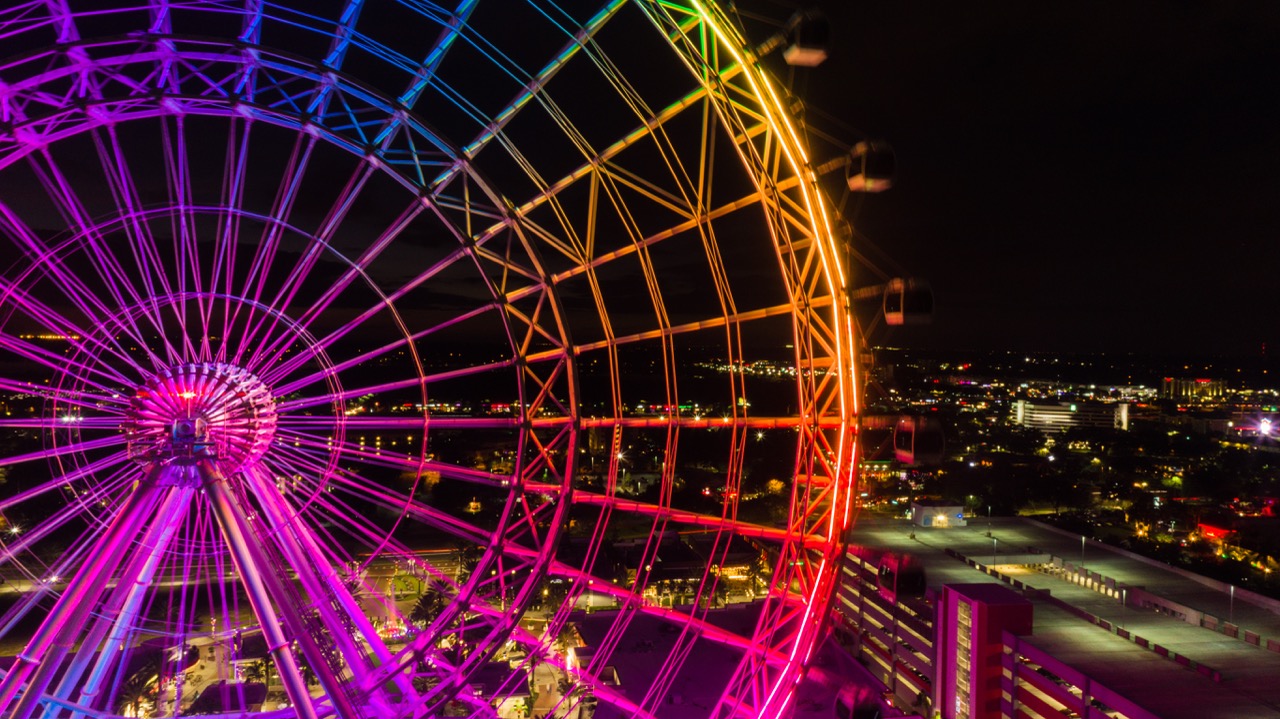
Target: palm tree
(430, 603)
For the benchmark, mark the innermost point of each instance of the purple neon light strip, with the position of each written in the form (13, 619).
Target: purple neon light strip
(105, 264)
(141, 244)
(361, 488)
(256, 281)
(316, 249)
(360, 319)
(271, 354)
(276, 375)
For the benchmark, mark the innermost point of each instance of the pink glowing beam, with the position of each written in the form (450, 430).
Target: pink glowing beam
(272, 352)
(63, 450)
(293, 363)
(413, 382)
(389, 300)
(397, 460)
(257, 278)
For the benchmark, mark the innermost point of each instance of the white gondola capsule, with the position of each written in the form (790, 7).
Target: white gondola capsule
(808, 37)
(871, 167)
(907, 302)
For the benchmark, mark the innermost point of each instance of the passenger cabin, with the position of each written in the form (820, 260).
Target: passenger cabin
(918, 440)
(808, 37)
(900, 577)
(907, 302)
(871, 167)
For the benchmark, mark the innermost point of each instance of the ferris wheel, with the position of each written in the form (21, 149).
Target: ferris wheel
(401, 359)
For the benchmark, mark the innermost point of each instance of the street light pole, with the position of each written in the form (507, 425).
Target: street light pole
(1082, 552)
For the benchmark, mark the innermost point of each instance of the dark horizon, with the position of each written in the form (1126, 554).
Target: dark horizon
(1094, 177)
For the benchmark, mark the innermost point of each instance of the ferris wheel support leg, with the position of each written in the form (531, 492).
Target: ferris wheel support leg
(302, 550)
(242, 556)
(36, 665)
(125, 605)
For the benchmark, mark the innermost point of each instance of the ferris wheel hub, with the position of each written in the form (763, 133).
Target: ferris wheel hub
(201, 411)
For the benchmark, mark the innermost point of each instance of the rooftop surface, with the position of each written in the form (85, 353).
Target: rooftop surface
(1248, 686)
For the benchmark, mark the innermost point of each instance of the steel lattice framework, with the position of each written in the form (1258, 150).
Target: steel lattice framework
(393, 339)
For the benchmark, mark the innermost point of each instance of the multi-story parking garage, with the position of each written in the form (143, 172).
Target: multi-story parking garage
(1111, 635)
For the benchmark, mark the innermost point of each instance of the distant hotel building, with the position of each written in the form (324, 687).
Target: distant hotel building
(1058, 416)
(1182, 389)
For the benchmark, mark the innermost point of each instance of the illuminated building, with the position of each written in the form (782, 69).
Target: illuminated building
(925, 513)
(1192, 390)
(1057, 416)
(970, 647)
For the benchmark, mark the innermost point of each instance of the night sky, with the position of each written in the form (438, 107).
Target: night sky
(1098, 176)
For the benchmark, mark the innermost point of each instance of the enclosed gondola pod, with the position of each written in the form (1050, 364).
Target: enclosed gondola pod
(871, 167)
(808, 38)
(907, 302)
(900, 576)
(918, 440)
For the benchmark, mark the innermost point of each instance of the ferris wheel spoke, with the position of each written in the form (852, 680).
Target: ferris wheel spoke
(221, 266)
(43, 583)
(276, 607)
(642, 133)
(273, 353)
(76, 336)
(256, 279)
(338, 610)
(36, 666)
(49, 360)
(369, 534)
(360, 488)
(426, 70)
(291, 365)
(122, 606)
(141, 242)
(362, 318)
(402, 384)
(317, 247)
(91, 469)
(106, 265)
(534, 86)
(186, 264)
(63, 450)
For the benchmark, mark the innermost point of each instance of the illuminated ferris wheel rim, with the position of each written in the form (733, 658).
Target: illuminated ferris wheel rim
(102, 113)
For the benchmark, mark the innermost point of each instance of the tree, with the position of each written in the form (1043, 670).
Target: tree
(430, 603)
